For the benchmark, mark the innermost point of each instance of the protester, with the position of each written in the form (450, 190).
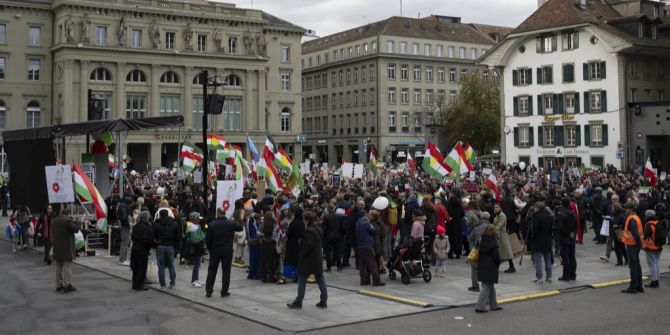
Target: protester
(142, 238)
(567, 229)
(63, 229)
(219, 242)
(13, 233)
(441, 252)
(167, 236)
(653, 240)
(123, 215)
(487, 268)
(540, 239)
(311, 262)
(44, 227)
(334, 232)
(474, 236)
(632, 238)
(500, 222)
(196, 242)
(365, 234)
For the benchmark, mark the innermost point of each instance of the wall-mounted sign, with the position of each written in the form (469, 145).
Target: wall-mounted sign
(554, 118)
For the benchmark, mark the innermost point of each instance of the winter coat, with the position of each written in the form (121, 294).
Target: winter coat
(475, 233)
(365, 233)
(442, 215)
(62, 232)
(332, 226)
(12, 234)
(541, 231)
(441, 248)
(489, 260)
(311, 252)
(142, 238)
(417, 227)
(500, 221)
(294, 234)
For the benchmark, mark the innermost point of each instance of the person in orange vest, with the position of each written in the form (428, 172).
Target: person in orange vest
(632, 238)
(651, 248)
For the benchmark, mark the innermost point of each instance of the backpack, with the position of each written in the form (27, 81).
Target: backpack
(393, 214)
(661, 233)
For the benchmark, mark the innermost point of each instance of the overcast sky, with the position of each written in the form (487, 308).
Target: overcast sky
(331, 16)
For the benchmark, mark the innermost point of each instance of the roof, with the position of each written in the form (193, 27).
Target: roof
(561, 13)
(425, 28)
(277, 22)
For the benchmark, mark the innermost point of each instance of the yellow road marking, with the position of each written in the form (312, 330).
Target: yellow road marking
(395, 298)
(614, 282)
(529, 296)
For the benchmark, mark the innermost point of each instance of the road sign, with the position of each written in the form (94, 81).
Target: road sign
(619, 154)
(301, 138)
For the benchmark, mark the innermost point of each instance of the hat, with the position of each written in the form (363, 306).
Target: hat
(194, 216)
(441, 230)
(340, 211)
(650, 213)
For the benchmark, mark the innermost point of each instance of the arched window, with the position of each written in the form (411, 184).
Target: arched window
(33, 113)
(285, 118)
(232, 80)
(3, 113)
(101, 74)
(170, 77)
(198, 79)
(136, 76)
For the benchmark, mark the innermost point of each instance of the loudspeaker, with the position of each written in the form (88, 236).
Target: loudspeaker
(216, 104)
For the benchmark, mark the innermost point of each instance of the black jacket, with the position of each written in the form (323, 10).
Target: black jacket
(567, 225)
(333, 226)
(311, 256)
(142, 238)
(166, 232)
(220, 234)
(489, 260)
(540, 234)
(123, 212)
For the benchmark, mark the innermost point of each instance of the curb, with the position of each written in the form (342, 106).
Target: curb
(395, 298)
(529, 296)
(613, 283)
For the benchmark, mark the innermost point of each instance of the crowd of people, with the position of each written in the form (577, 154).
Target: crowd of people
(286, 237)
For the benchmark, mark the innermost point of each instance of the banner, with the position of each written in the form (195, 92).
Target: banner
(227, 192)
(358, 171)
(59, 183)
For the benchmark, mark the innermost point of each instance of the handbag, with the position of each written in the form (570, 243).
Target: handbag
(152, 272)
(473, 256)
(78, 240)
(605, 229)
(196, 236)
(517, 247)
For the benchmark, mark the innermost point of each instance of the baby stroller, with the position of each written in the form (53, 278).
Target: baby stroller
(410, 259)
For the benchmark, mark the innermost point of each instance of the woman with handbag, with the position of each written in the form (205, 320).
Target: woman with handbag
(474, 235)
(488, 263)
(196, 240)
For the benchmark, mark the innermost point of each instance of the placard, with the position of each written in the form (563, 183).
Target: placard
(487, 171)
(197, 176)
(305, 168)
(227, 192)
(336, 179)
(472, 176)
(89, 171)
(59, 183)
(358, 171)
(348, 170)
(663, 175)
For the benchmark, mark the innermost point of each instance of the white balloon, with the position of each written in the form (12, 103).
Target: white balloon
(380, 203)
(522, 165)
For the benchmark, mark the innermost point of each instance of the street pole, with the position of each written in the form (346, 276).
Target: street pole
(205, 165)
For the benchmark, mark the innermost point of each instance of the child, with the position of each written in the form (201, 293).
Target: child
(13, 232)
(441, 252)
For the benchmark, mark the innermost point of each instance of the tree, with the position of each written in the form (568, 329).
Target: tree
(475, 116)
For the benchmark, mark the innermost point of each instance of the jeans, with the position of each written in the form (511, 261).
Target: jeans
(441, 266)
(487, 296)
(633, 253)
(125, 243)
(25, 237)
(654, 268)
(197, 260)
(537, 258)
(569, 260)
(165, 258)
(302, 283)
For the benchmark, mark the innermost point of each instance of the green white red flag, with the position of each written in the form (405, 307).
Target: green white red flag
(87, 192)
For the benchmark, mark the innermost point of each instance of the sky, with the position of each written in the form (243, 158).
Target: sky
(331, 16)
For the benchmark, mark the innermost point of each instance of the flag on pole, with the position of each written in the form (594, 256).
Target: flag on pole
(464, 162)
(252, 150)
(373, 160)
(189, 164)
(294, 179)
(189, 150)
(215, 142)
(270, 146)
(650, 173)
(87, 192)
(470, 154)
(492, 183)
(457, 161)
(412, 165)
(282, 160)
(271, 176)
(107, 139)
(433, 162)
(111, 160)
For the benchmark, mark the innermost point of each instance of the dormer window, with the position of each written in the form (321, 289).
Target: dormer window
(647, 30)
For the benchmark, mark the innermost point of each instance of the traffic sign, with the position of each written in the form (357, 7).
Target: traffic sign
(301, 138)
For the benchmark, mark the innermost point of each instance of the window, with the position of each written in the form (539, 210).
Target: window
(334, 100)
(441, 96)
(523, 105)
(318, 60)
(473, 53)
(33, 114)
(285, 81)
(392, 124)
(105, 102)
(403, 47)
(349, 52)
(427, 50)
(285, 120)
(391, 71)
(3, 114)
(546, 44)
(136, 76)
(364, 97)
(461, 52)
(364, 73)
(374, 46)
(169, 40)
(522, 77)
(596, 134)
(136, 106)
(440, 51)
(34, 36)
(3, 33)
(170, 105)
(569, 103)
(404, 121)
(568, 73)
(372, 73)
(170, 77)
(452, 97)
(232, 111)
(548, 103)
(348, 76)
(429, 73)
(415, 48)
(391, 95)
(524, 136)
(232, 45)
(34, 66)
(285, 54)
(198, 79)
(440, 74)
(202, 42)
(390, 46)
(597, 101)
(417, 96)
(570, 40)
(570, 136)
(340, 77)
(100, 35)
(355, 75)
(3, 66)
(404, 96)
(404, 72)
(101, 74)
(417, 73)
(136, 38)
(545, 75)
(198, 108)
(333, 77)
(356, 98)
(548, 135)
(452, 75)
(429, 97)
(372, 96)
(594, 70)
(450, 52)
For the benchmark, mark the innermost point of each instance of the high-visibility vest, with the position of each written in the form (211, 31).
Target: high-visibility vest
(627, 237)
(650, 243)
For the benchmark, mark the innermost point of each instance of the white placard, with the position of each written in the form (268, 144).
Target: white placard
(197, 176)
(227, 192)
(358, 171)
(487, 171)
(348, 170)
(59, 183)
(663, 175)
(305, 168)
(472, 176)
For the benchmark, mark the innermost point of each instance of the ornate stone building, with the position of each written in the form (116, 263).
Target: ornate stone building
(144, 58)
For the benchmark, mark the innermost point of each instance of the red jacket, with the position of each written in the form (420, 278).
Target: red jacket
(443, 218)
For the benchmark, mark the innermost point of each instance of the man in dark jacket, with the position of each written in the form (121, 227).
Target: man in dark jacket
(456, 214)
(311, 262)
(123, 213)
(365, 235)
(509, 209)
(333, 230)
(166, 235)
(139, 254)
(596, 214)
(540, 240)
(62, 232)
(219, 240)
(567, 230)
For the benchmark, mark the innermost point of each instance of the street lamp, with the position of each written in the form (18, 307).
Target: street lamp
(215, 108)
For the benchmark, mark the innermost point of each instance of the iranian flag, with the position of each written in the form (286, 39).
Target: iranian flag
(215, 142)
(433, 163)
(111, 160)
(272, 178)
(270, 147)
(373, 160)
(492, 183)
(87, 192)
(412, 165)
(189, 150)
(650, 172)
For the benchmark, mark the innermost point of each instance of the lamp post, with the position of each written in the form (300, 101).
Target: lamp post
(207, 109)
